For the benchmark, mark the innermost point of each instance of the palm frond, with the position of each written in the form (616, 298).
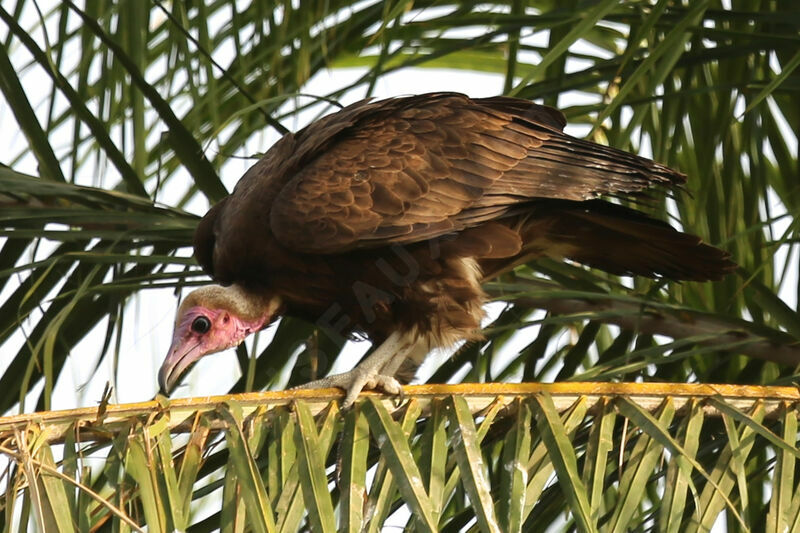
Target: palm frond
(497, 456)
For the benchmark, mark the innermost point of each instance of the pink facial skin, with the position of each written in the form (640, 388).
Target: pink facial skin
(193, 338)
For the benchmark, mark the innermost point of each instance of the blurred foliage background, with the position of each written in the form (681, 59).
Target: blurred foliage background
(127, 118)
(126, 113)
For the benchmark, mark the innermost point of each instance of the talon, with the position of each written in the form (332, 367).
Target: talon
(400, 397)
(376, 370)
(354, 382)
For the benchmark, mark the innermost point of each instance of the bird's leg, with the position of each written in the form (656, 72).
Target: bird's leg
(377, 370)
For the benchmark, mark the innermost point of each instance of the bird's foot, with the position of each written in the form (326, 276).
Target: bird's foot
(354, 381)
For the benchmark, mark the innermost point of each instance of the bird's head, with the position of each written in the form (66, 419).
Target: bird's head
(212, 319)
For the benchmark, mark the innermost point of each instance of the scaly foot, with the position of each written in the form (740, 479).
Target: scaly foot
(377, 369)
(354, 382)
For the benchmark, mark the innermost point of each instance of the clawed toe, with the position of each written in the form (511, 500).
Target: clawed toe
(361, 380)
(354, 382)
(377, 369)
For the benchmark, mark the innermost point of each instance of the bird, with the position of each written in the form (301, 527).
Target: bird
(384, 218)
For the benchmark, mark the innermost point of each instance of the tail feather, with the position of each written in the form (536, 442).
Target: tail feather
(623, 241)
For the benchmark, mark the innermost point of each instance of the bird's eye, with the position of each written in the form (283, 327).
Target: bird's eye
(201, 324)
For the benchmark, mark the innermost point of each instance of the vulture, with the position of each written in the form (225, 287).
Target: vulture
(384, 218)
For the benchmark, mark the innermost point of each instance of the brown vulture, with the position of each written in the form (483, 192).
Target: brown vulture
(385, 218)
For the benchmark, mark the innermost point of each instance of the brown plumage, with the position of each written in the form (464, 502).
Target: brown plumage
(385, 217)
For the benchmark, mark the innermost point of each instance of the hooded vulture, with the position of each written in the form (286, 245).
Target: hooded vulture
(384, 219)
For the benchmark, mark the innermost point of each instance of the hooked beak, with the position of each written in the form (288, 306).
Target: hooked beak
(180, 358)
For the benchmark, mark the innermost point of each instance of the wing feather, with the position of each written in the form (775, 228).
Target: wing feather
(420, 167)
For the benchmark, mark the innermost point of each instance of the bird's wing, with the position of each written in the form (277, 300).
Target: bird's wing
(434, 164)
